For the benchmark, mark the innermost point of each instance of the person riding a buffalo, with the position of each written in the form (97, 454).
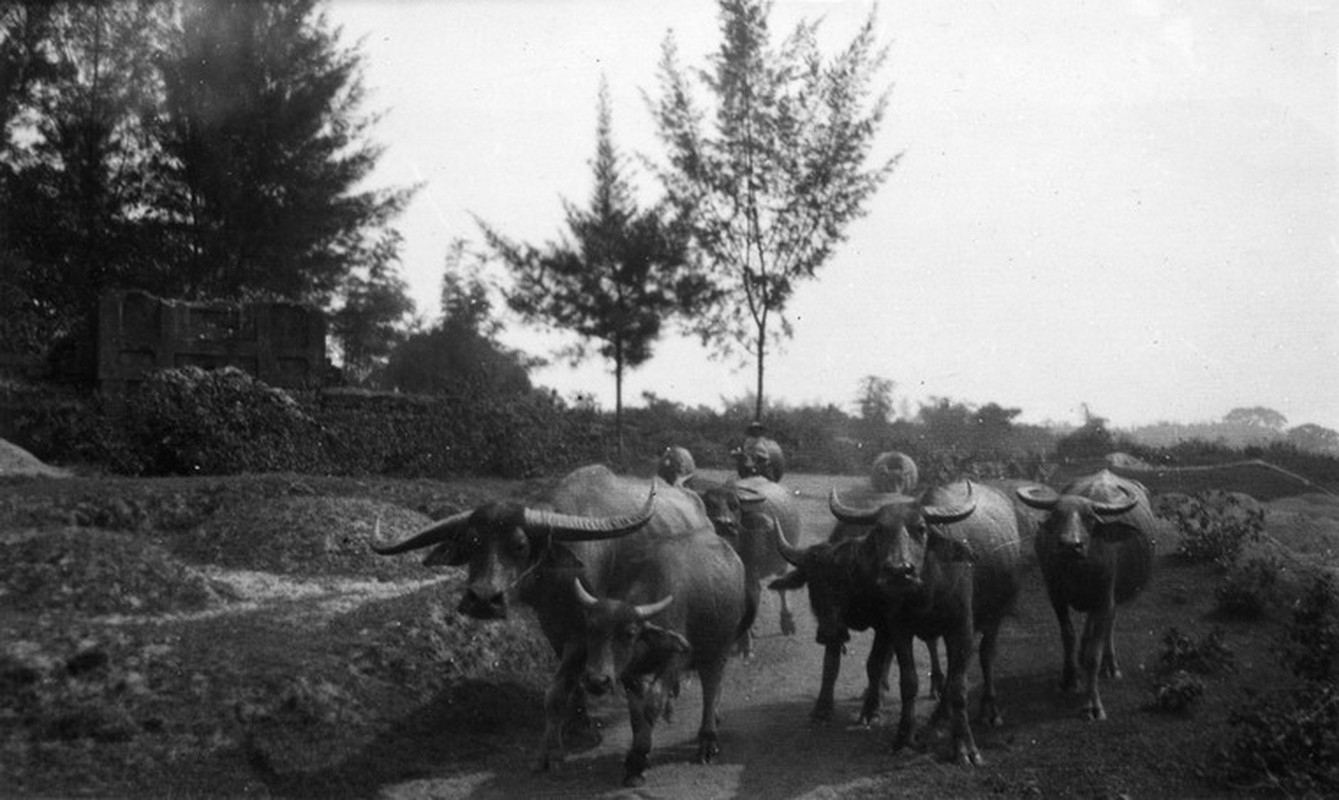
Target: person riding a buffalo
(759, 454)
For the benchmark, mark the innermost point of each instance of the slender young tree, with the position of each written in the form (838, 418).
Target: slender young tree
(615, 281)
(769, 188)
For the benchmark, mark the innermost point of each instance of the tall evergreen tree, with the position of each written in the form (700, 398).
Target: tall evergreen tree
(769, 190)
(618, 279)
(79, 83)
(266, 146)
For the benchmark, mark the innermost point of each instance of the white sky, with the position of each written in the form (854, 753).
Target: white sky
(1132, 204)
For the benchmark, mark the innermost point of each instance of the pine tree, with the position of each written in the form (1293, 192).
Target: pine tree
(266, 146)
(616, 282)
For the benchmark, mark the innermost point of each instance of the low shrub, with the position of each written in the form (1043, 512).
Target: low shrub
(1177, 692)
(1248, 589)
(1216, 526)
(1288, 739)
(1205, 656)
(190, 421)
(1311, 637)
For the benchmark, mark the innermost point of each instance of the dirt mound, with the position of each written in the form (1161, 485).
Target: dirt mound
(98, 572)
(15, 461)
(305, 535)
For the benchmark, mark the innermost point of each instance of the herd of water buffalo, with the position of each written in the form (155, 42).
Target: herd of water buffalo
(636, 582)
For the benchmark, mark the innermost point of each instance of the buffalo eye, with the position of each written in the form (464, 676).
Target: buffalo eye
(626, 634)
(518, 545)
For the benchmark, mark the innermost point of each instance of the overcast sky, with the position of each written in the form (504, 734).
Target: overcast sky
(1131, 205)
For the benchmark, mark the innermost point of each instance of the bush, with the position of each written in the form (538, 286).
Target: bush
(1177, 692)
(1311, 638)
(1216, 526)
(1287, 740)
(1204, 656)
(189, 421)
(1248, 589)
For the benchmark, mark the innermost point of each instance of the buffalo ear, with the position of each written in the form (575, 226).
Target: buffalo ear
(1116, 532)
(663, 640)
(652, 653)
(789, 582)
(952, 550)
(561, 556)
(447, 554)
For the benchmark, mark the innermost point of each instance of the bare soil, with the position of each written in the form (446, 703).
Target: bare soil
(233, 637)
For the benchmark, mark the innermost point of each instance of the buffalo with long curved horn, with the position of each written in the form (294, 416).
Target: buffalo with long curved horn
(607, 533)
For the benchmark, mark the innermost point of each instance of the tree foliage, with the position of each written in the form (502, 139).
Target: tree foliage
(875, 399)
(1257, 416)
(460, 355)
(189, 148)
(618, 278)
(768, 189)
(265, 148)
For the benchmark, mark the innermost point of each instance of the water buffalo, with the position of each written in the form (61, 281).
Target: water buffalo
(1095, 548)
(949, 565)
(680, 608)
(842, 601)
(743, 512)
(601, 529)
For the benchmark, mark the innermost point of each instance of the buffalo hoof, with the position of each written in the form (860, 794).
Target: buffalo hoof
(990, 713)
(788, 623)
(821, 715)
(907, 740)
(968, 756)
(708, 747)
(549, 762)
(634, 779)
(1094, 713)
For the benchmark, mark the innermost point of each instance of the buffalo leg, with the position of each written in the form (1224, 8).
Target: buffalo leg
(876, 670)
(908, 683)
(708, 737)
(1096, 631)
(787, 618)
(936, 671)
(832, 664)
(1069, 675)
(958, 652)
(562, 696)
(990, 712)
(1110, 667)
(644, 708)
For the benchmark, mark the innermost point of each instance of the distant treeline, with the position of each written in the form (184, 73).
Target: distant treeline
(189, 422)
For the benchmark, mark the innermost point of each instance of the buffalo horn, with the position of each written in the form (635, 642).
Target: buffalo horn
(651, 609)
(945, 514)
(1040, 497)
(584, 597)
(1114, 509)
(436, 533)
(578, 528)
(747, 494)
(861, 516)
(793, 555)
